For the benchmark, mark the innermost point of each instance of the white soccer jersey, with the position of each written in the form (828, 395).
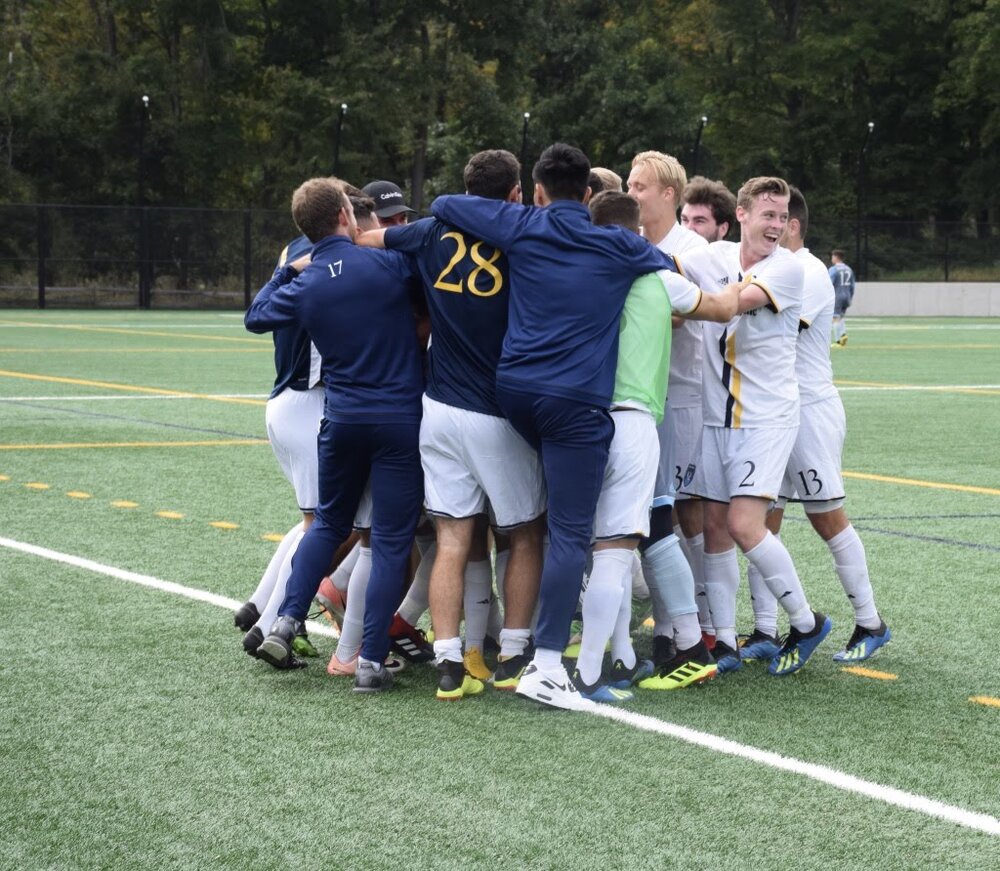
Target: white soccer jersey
(684, 383)
(812, 354)
(749, 363)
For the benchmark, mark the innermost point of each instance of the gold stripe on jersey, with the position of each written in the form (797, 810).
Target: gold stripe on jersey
(283, 257)
(774, 300)
(734, 381)
(697, 305)
(680, 269)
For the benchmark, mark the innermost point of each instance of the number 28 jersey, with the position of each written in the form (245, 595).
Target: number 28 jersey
(467, 288)
(748, 376)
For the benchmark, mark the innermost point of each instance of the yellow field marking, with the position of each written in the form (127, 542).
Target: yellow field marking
(273, 536)
(223, 524)
(4, 477)
(933, 485)
(129, 388)
(78, 494)
(169, 515)
(648, 623)
(80, 445)
(124, 503)
(36, 485)
(915, 347)
(128, 332)
(985, 700)
(974, 391)
(870, 672)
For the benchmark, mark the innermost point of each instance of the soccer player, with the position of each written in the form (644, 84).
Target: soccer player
(390, 205)
(623, 508)
(709, 208)
(568, 280)
(656, 182)
(609, 180)
(355, 304)
(751, 415)
(842, 277)
(472, 457)
(813, 476)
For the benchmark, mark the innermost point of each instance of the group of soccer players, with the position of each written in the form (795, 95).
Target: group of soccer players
(621, 397)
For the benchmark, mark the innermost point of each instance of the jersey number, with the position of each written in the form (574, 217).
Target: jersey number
(805, 484)
(482, 266)
(339, 264)
(746, 482)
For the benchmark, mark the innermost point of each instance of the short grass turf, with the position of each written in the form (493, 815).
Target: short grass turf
(136, 734)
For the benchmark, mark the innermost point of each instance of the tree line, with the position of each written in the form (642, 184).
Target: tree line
(245, 96)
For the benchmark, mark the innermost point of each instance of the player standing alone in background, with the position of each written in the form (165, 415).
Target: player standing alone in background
(842, 277)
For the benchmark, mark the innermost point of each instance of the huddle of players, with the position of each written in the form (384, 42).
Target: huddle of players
(560, 408)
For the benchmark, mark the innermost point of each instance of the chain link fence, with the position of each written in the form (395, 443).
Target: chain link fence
(109, 256)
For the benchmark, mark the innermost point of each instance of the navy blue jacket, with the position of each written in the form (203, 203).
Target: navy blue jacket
(568, 283)
(355, 305)
(292, 348)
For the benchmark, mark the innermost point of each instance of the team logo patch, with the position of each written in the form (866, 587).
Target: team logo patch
(689, 474)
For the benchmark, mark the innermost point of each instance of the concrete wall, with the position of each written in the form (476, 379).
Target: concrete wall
(927, 298)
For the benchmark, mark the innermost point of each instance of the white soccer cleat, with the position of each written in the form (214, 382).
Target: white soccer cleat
(553, 688)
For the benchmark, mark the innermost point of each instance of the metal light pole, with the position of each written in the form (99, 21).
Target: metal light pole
(860, 198)
(145, 279)
(524, 156)
(336, 142)
(143, 115)
(697, 145)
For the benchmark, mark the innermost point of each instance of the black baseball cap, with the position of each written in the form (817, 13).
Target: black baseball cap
(388, 198)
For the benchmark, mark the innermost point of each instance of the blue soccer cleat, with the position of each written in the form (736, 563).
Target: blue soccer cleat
(863, 643)
(759, 646)
(799, 646)
(727, 658)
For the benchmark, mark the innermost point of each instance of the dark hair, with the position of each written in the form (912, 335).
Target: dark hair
(615, 207)
(564, 171)
(364, 207)
(316, 206)
(492, 173)
(798, 210)
(596, 184)
(838, 252)
(701, 191)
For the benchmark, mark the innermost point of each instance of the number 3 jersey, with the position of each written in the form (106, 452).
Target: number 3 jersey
(467, 288)
(748, 375)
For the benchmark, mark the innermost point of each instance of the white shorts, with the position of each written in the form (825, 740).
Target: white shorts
(363, 517)
(680, 453)
(813, 473)
(475, 463)
(744, 462)
(292, 419)
(629, 478)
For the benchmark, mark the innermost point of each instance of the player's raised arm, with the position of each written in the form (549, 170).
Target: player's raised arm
(371, 238)
(494, 221)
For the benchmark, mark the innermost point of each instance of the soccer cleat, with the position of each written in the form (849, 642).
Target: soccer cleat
(369, 678)
(552, 688)
(455, 682)
(863, 643)
(409, 642)
(246, 615)
(252, 641)
(476, 665)
(799, 646)
(664, 650)
(602, 692)
(842, 341)
(622, 678)
(572, 650)
(726, 658)
(759, 646)
(276, 649)
(331, 600)
(302, 646)
(336, 668)
(509, 671)
(688, 667)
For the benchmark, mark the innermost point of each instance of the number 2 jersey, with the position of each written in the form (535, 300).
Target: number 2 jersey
(467, 288)
(748, 374)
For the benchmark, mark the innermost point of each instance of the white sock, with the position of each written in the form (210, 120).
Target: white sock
(778, 571)
(478, 593)
(621, 640)
(270, 576)
(661, 616)
(765, 606)
(494, 625)
(670, 574)
(548, 660)
(449, 649)
(415, 603)
(270, 612)
(722, 581)
(696, 557)
(500, 570)
(513, 642)
(640, 589)
(341, 576)
(687, 630)
(601, 604)
(353, 625)
(851, 564)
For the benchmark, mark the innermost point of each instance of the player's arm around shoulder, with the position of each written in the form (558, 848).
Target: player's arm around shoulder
(275, 303)
(777, 285)
(495, 222)
(691, 302)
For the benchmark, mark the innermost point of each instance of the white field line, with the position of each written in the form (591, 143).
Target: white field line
(145, 580)
(906, 800)
(858, 324)
(924, 387)
(127, 396)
